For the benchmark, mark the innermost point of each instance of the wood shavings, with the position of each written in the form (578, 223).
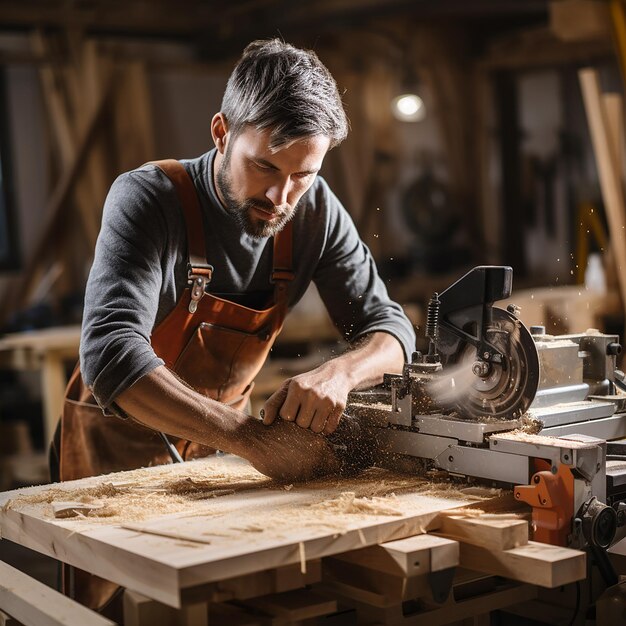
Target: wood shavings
(529, 424)
(138, 495)
(479, 513)
(348, 502)
(63, 510)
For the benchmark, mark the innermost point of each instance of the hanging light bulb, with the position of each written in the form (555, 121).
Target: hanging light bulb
(408, 107)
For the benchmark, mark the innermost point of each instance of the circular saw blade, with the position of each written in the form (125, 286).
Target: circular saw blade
(505, 390)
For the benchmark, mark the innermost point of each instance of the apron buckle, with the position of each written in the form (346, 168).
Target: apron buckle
(198, 285)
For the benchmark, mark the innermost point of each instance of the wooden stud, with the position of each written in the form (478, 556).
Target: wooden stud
(34, 604)
(608, 172)
(536, 563)
(407, 557)
(493, 533)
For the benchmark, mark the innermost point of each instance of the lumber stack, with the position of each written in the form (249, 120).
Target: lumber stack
(460, 553)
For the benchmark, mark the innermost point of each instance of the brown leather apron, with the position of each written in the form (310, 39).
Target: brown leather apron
(214, 345)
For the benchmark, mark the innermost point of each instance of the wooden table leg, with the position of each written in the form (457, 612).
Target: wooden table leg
(53, 382)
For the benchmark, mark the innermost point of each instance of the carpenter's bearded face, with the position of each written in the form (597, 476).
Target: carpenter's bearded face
(261, 187)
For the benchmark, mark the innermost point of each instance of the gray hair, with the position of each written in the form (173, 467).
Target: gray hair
(287, 90)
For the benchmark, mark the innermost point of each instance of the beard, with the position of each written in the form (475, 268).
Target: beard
(242, 210)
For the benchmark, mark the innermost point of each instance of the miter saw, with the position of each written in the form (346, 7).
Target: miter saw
(464, 407)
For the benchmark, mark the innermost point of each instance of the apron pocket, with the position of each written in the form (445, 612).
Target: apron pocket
(221, 362)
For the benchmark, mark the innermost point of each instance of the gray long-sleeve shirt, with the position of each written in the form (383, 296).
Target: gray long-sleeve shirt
(140, 271)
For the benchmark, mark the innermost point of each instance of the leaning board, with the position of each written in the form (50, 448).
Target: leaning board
(164, 529)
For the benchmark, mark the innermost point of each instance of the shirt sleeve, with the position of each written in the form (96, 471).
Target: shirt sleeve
(122, 293)
(350, 286)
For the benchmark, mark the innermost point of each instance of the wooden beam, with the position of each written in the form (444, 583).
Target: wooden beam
(412, 556)
(34, 604)
(608, 172)
(614, 108)
(536, 563)
(499, 533)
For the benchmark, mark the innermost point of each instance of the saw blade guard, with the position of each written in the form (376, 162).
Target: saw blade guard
(502, 388)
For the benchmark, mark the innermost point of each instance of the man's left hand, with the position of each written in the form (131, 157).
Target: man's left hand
(314, 400)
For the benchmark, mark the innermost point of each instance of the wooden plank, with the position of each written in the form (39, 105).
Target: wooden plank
(610, 176)
(35, 604)
(536, 563)
(614, 106)
(495, 532)
(252, 530)
(412, 556)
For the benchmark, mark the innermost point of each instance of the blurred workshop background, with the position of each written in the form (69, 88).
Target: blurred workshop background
(470, 145)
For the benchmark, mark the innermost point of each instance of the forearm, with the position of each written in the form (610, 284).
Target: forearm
(162, 402)
(365, 363)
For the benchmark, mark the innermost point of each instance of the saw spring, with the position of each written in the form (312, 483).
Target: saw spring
(432, 317)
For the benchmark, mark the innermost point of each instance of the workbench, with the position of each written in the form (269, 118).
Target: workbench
(46, 350)
(216, 538)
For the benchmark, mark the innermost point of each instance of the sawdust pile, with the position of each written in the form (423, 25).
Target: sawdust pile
(137, 495)
(190, 490)
(349, 503)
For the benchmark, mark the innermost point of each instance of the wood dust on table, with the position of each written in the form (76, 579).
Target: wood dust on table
(215, 488)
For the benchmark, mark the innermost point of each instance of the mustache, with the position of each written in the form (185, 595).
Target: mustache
(281, 210)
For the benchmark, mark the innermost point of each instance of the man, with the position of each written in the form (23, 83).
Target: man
(191, 283)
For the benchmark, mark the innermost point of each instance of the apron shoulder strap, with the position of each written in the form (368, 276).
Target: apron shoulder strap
(283, 249)
(192, 213)
(282, 270)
